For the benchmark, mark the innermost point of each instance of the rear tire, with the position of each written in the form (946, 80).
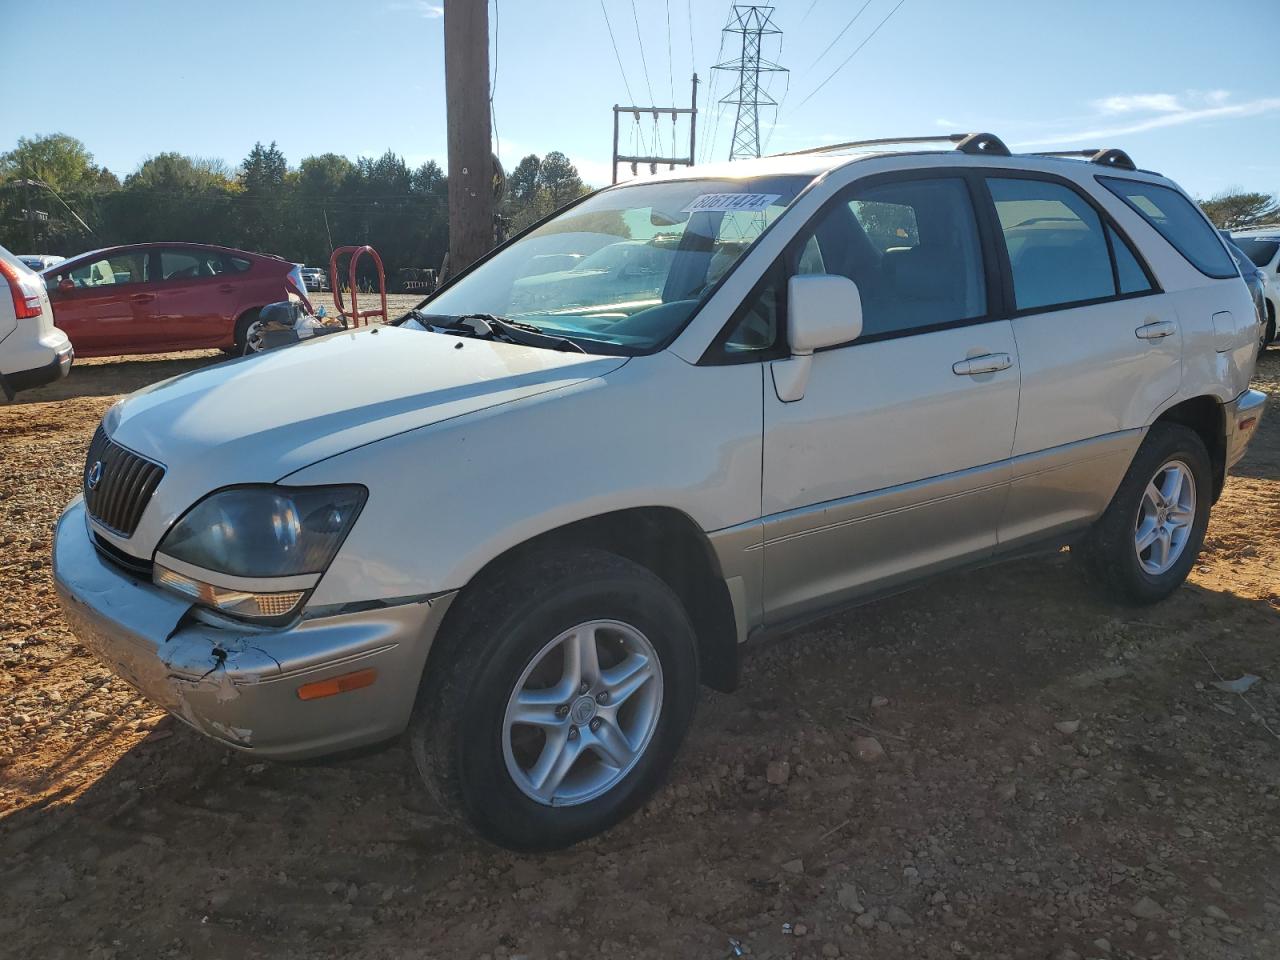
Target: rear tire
(513, 650)
(1145, 544)
(243, 325)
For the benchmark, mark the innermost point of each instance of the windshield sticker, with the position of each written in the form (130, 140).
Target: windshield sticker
(725, 202)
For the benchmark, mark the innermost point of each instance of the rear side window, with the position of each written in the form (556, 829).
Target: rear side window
(1177, 220)
(239, 264)
(1055, 241)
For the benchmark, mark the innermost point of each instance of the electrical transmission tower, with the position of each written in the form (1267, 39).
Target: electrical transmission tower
(754, 23)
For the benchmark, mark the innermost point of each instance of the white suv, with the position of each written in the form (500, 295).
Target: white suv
(32, 350)
(1262, 246)
(521, 535)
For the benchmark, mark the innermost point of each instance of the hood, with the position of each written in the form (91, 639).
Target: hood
(261, 418)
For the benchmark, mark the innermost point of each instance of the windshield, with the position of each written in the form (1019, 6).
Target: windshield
(624, 270)
(1260, 251)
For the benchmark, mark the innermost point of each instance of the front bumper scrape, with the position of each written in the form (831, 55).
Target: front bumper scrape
(240, 685)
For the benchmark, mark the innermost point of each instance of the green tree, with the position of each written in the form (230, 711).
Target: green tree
(263, 171)
(61, 161)
(177, 172)
(522, 185)
(560, 179)
(1235, 209)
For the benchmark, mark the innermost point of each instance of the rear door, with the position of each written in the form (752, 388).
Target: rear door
(195, 298)
(100, 300)
(1099, 346)
(894, 462)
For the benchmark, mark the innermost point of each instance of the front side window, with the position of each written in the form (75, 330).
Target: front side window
(108, 271)
(1176, 219)
(1055, 241)
(623, 270)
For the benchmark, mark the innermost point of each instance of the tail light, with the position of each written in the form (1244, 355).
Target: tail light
(25, 288)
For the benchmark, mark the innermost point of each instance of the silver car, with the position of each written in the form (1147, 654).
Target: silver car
(519, 532)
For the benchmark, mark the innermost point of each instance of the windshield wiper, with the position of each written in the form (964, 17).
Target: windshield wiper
(519, 332)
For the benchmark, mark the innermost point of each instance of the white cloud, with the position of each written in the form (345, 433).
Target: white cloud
(1139, 102)
(1163, 110)
(423, 8)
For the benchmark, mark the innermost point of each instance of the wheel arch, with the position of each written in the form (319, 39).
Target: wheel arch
(1205, 415)
(667, 542)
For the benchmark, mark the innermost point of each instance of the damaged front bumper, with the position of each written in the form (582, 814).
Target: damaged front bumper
(240, 685)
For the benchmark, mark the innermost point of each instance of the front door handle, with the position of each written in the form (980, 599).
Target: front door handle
(142, 297)
(1156, 330)
(987, 363)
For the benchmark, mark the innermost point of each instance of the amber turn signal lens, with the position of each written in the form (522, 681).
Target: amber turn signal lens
(336, 685)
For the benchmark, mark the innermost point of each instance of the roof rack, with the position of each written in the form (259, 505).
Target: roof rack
(973, 143)
(1106, 156)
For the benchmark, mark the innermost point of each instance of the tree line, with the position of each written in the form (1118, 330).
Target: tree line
(301, 213)
(265, 204)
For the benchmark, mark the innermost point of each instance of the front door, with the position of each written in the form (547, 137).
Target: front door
(894, 463)
(97, 302)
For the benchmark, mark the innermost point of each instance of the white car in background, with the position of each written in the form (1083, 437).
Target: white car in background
(520, 536)
(32, 350)
(1262, 246)
(40, 261)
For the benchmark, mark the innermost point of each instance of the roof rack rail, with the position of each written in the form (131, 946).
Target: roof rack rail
(973, 143)
(1106, 156)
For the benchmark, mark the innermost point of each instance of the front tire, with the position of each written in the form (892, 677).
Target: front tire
(559, 699)
(1144, 545)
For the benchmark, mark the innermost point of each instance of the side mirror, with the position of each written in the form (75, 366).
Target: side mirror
(822, 311)
(65, 284)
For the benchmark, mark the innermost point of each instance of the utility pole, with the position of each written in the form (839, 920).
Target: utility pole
(466, 87)
(754, 23)
(29, 213)
(673, 112)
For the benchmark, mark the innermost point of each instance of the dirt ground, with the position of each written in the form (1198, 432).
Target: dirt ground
(1061, 779)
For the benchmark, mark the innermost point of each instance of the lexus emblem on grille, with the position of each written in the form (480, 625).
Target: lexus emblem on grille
(95, 475)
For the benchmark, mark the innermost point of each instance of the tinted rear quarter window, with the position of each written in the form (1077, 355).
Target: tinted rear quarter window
(1176, 219)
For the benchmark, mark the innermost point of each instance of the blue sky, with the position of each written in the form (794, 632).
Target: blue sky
(1186, 86)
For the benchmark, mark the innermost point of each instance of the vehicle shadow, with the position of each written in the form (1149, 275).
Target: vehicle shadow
(107, 376)
(183, 841)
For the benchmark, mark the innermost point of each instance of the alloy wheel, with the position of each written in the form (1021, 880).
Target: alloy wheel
(583, 712)
(1165, 518)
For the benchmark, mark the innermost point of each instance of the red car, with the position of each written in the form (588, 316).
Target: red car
(161, 297)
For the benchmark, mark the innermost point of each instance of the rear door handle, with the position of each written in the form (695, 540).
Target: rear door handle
(987, 363)
(225, 288)
(1156, 330)
(142, 297)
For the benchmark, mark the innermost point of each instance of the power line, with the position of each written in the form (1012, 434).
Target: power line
(693, 65)
(809, 11)
(621, 69)
(644, 63)
(854, 54)
(814, 63)
(671, 82)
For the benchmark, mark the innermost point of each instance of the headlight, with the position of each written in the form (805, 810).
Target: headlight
(257, 551)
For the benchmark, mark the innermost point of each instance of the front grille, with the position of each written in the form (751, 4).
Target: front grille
(123, 484)
(130, 564)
